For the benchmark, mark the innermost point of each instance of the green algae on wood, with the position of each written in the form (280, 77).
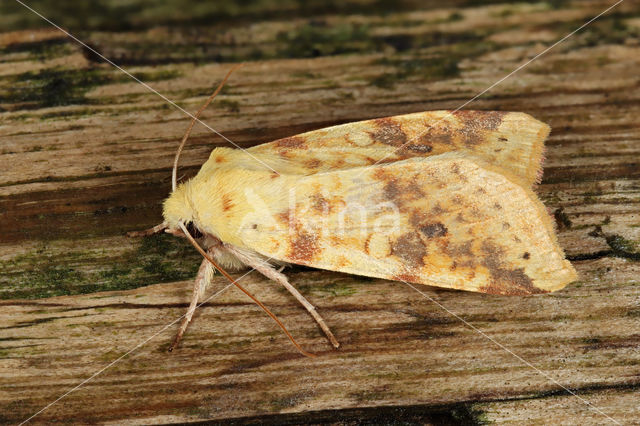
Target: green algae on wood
(41, 273)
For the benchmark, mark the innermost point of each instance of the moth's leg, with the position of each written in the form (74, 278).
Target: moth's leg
(269, 271)
(279, 277)
(202, 281)
(151, 231)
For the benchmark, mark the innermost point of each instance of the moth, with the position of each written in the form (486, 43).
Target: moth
(441, 198)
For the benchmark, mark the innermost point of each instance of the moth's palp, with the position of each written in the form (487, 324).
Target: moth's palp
(164, 226)
(232, 281)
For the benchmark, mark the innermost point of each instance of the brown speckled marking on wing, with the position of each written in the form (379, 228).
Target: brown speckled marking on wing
(510, 141)
(303, 247)
(320, 204)
(389, 132)
(291, 142)
(432, 230)
(474, 124)
(410, 249)
(301, 242)
(426, 222)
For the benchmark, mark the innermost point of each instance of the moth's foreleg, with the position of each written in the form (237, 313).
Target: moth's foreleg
(203, 279)
(269, 271)
(151, 231)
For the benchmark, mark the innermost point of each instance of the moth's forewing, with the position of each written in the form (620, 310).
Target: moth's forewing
(444, 220)
(512, 141)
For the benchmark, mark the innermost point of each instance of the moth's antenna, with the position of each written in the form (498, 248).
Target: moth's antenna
(174, 175)
(256, 301)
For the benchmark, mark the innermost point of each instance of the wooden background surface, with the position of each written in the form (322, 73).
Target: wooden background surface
(86, 155)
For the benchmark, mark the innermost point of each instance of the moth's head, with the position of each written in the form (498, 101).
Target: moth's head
(177, 208)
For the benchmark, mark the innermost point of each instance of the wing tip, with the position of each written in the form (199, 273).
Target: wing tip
(535, 168)
(536, 132)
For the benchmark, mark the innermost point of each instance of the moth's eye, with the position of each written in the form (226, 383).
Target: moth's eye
(195, 232)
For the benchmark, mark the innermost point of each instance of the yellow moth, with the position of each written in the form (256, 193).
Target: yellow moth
(439, 198)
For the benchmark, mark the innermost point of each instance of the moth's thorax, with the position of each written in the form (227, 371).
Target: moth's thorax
(218, 199)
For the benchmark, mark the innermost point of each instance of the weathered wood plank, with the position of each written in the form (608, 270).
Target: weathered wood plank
(398, 348)
(621, 404)
(86, 154)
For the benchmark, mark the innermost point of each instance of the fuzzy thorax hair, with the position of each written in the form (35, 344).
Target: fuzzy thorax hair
(219, 199)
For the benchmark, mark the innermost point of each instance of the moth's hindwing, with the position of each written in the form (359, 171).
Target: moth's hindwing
(446, 220)
(511, 141)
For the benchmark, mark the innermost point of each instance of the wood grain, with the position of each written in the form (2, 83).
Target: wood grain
(86, 155)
